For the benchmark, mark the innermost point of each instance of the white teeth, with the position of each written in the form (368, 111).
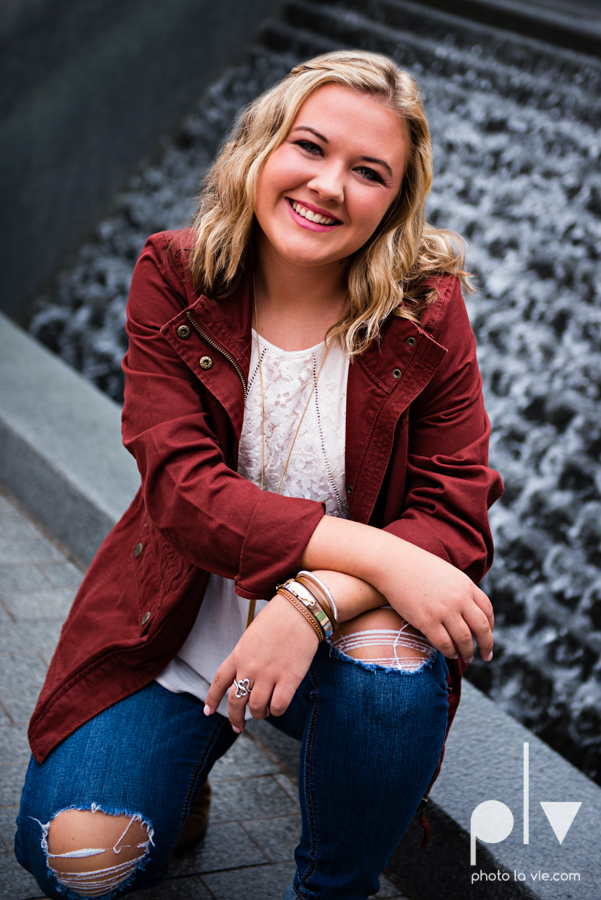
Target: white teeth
(311, 216)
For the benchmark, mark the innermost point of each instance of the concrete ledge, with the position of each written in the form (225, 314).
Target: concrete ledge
(60, 445)
(61, 456)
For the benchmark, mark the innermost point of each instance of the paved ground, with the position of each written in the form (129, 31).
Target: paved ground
(255, 822)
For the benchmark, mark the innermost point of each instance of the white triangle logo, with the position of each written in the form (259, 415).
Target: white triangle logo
(560, 816)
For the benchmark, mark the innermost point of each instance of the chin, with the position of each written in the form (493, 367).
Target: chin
(307, 255)
(310, 260)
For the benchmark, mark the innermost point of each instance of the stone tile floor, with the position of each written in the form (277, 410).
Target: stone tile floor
(255, 821)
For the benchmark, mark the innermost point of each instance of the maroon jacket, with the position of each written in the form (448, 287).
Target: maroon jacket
(416, 465)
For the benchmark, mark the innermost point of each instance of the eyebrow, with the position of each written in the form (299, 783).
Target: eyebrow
(372, 159)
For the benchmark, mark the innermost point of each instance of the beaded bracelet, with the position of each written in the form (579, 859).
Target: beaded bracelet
(303, 611)
(310, 601)
(324, 588)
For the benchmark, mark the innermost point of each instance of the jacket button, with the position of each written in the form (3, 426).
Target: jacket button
(183, 332)
(138, 549)
(411, 341)
(349, 490)
(205, 362)
(396, 373)
(145, 618)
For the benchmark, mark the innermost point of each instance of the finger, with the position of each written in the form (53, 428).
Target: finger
(442, 640)
(479, 624)
(281, 698)
(224, 677)
(236, 705)
(461, 635)
(260, 700)
(485, 605)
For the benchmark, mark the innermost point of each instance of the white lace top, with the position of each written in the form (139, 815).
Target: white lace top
(315, 471)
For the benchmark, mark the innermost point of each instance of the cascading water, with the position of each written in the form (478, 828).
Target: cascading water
(517, 150)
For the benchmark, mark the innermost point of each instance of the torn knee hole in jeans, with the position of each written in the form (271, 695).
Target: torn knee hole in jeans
(89, 879)
(404, 648)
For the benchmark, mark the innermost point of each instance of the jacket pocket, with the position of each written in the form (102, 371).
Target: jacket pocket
(158, 570)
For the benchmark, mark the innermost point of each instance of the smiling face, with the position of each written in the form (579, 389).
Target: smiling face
(324, 191)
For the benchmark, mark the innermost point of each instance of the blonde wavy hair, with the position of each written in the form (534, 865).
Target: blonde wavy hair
(387, 274)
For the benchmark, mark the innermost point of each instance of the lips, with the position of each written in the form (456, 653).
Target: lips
(313, 214)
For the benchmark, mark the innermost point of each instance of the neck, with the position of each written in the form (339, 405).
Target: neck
(296, 305)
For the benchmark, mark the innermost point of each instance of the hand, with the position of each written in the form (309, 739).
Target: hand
(441, 602)
(274, 653)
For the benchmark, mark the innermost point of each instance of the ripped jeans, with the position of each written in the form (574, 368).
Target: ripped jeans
(371, 737)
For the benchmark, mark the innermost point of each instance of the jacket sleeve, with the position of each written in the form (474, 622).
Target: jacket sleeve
(449, 485)
(209, 513)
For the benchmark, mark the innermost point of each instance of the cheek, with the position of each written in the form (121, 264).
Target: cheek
(284, 171)
(274, 170)
(269, 188)
(368, 211)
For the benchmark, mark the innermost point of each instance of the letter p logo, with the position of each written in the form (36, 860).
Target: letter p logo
(491, 822)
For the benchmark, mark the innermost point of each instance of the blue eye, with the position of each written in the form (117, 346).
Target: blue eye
(369, 174)
(310, 147)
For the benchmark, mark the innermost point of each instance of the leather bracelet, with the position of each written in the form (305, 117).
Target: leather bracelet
(313, 579)
(310, 601)
(303, 611)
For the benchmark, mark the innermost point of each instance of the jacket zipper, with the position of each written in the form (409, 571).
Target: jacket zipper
(223, 352)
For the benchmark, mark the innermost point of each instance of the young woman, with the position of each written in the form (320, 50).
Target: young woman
(304, 405)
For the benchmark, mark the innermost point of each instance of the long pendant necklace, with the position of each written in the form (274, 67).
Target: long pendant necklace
(253, 603)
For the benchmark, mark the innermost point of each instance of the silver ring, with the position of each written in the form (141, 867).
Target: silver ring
(243, 687)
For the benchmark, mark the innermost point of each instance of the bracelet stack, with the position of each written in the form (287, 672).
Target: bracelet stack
(304, 600)
(327, 600)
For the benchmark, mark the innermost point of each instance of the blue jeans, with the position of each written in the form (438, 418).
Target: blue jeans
(371, 740)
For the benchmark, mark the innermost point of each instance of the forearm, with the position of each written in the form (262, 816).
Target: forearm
(352, 595)
(357, 550)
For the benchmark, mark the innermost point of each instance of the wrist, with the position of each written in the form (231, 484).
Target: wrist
(321, 592)
(294, 617)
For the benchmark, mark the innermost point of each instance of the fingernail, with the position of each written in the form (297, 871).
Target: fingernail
(237, 730)
(489, 657)
(207, 710)
(470, 660)
(456, 656)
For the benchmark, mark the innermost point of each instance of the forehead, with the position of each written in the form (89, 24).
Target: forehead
(345, 112)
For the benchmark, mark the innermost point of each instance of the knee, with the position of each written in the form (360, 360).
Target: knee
(92, 853)
(382, 637)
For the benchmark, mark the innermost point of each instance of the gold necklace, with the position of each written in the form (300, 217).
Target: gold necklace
(253, 603)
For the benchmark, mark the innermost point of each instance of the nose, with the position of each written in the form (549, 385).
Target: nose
(328, 182)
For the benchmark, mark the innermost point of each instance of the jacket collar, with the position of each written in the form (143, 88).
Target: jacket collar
(403, 345)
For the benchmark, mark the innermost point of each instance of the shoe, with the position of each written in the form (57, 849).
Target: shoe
(197, 821)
